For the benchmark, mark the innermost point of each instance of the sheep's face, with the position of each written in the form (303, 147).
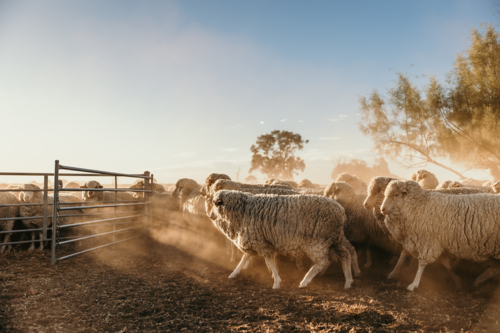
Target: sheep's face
(339, 190)
(183, 187)
(27, 196)
(91, 195)
(305, 183)
(394, 193)
(223, 201)
(496, 186)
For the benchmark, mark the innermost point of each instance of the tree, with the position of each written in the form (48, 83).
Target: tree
(459, 121)
(273, 154)
(361, 169)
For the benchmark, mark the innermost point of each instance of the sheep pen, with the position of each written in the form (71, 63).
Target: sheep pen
(162, 283)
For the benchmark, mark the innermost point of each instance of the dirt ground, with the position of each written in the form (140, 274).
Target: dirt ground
(162, 283)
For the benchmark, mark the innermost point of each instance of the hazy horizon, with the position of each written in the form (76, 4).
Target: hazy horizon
(183, 89)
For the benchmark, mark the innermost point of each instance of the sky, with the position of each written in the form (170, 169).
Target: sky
(184, 88)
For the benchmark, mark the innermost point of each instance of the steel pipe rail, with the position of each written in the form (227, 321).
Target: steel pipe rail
(103, 220)
(97, 247)
(102, 206)
(64, 167)
(98, 235)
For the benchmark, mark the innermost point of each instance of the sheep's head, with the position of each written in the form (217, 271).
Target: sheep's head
(92, 195)
(377, 186)
(455, 184)
(30, 196)
(396, 193)
(211, 179)
(224, 200)
(339, 190)
(72, 185)
(184, 186)
(496, 186)
(305, 183)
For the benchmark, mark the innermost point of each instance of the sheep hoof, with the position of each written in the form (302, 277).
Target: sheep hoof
(276, 286)
(368, 265)
(233, 275)
(411, 287)
(391, 275)
(347, 285)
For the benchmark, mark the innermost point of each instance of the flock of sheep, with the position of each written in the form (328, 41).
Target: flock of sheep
(418, 218)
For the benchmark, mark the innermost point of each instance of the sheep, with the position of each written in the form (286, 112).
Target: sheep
(305, 183)
(361, 226)
(8, 198)
(433, 224)
(449, 184)
(223, 184)
(139, 184)
(357, 184)
(488, 183)
(212, 178)
(455, 184)
(374, 200)
(293, 225)
(315, 191)
(426, 179)
(273, 181)
(496, 186)
(72, 185)
(36, 197)
(100, 196)
(191, 204)
(14, 187)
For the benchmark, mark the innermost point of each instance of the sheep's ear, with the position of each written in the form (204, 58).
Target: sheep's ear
(100, 186)
(82, 187)
(218, 203)
(404, 193)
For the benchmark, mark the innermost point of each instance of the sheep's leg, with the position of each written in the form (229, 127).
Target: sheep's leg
(40, 235)
(32, 246)
(240, 266)
(6, 240)
(399, 264)
(272, 264)
(354, 262)
(368, 257)
(248, 263)
(486, 275)
(346, 268)
(446, 263)
(420, 271)
(323, 271)
(233, 252)
(228, 246)
(299, 262)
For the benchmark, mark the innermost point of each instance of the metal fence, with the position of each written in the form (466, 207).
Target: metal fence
(121, 222)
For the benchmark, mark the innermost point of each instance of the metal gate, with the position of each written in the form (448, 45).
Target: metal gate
(121, 223)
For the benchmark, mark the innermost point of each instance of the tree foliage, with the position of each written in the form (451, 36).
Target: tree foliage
(458, 121)
(361, 169)
(274, 154)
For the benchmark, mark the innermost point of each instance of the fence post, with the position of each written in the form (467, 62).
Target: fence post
(45, 205)
(116, 199)
(146, 195)
(53, 258)
(150, 197)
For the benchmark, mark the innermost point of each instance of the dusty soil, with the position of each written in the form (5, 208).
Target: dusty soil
(162, 283)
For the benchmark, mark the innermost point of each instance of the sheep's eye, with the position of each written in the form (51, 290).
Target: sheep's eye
(218, 203)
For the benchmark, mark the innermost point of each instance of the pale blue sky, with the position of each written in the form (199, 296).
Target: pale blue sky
(183, 88)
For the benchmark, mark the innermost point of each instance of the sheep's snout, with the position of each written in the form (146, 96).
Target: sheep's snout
(370, 201)
(386, 207)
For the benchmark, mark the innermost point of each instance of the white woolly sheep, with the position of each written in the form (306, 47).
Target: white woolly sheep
(273, 181)
(32, 197)
(361, 226)
(374, 200)
(435, 224)
(8, 198)
(294, 225)
(139, 184)
(426, 179)
(357, 184)
(472, 182)
(496, 186)
(305, 183)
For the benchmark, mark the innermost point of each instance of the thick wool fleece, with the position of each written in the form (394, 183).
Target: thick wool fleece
(292, 225)
(8, 198)
(464, 226)
(426, 179)
(357, 184)
(361, 225)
